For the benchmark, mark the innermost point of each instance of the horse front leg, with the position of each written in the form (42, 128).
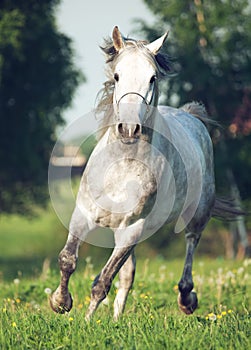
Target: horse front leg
(187, 299)
(126, 278)
(61, 300)
(103, 281)
(125, 241)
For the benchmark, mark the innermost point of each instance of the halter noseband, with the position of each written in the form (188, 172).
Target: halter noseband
(148, 103)
(134, 93)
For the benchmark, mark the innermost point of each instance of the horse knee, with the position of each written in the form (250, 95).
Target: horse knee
(67, 262)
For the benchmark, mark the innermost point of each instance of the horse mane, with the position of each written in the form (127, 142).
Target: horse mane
(105, 96)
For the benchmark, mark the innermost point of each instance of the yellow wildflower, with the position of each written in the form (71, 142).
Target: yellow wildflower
(143, 296)
(87, 299)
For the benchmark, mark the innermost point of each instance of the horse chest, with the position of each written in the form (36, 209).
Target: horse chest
(120, 194)
(128, 180)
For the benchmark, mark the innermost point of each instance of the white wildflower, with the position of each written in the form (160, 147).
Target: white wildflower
(48, 291)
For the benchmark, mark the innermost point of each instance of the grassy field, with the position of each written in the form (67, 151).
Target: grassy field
(28, 272)
(151, 320)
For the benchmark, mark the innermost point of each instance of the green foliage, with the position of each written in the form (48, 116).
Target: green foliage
(210, 43)
(151, 320)
(37, 82)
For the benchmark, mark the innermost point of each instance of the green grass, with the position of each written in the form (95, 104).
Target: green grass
(151, 320)
(28, 267)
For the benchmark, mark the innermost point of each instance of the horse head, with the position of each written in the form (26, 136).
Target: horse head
(136, 74)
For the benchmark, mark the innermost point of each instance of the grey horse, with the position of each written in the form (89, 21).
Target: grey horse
(152, 165)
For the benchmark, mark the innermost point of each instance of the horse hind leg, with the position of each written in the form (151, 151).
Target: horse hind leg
(187, 299)
(126, 278)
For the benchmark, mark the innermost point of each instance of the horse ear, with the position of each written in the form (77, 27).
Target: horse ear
(156, 45)
(118, 40)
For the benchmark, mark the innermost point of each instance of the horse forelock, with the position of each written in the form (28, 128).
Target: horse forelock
(161, 59)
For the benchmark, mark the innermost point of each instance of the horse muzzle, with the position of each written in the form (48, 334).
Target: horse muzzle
(128, 133)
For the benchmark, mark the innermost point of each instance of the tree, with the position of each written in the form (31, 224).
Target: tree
(37, 82)
(210, 42)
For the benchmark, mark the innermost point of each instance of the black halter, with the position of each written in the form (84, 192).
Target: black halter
(148, 103)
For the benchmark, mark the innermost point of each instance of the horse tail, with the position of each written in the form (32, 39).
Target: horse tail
(198, 110)
(226, 209)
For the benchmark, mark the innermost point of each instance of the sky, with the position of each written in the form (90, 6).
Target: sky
(87, 23)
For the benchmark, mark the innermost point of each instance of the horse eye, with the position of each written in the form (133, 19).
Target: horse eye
(153, 78)
(116, 77)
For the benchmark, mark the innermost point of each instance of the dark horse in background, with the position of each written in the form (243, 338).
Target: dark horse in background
(152, 165)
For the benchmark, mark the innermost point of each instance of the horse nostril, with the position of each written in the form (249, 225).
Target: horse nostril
(129, 130)
(137, 130)
(120, 128)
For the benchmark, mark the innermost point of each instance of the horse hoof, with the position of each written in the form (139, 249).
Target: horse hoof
(61, 307)
(188, 304)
